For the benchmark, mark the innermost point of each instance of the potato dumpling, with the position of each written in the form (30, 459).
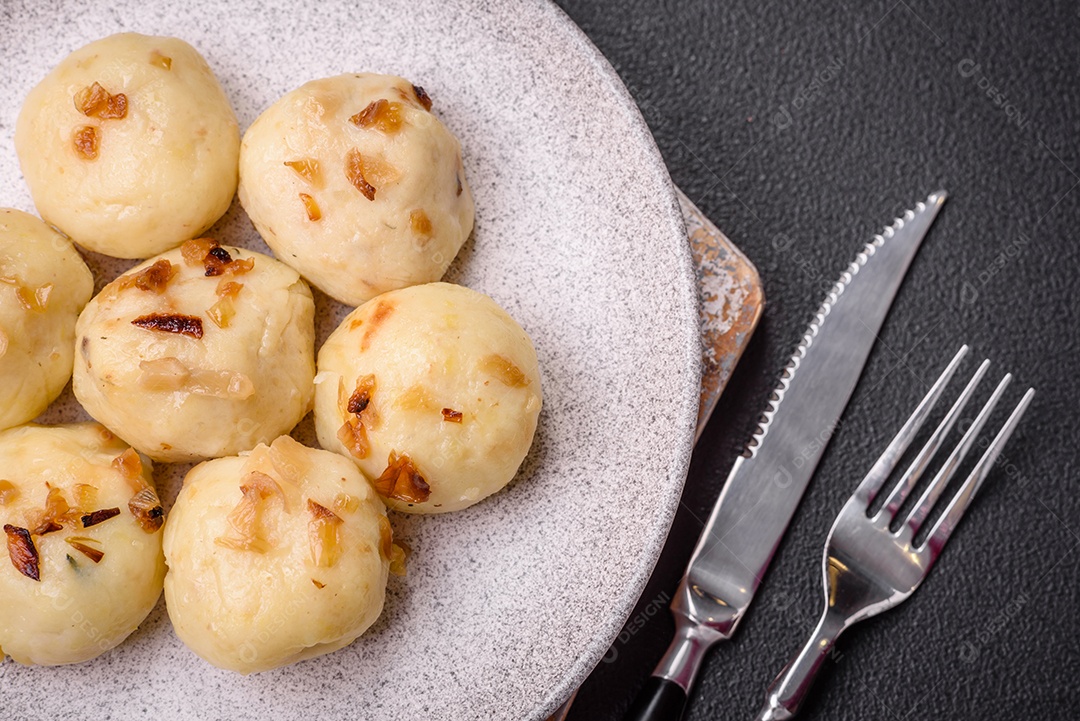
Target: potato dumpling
(43, 286)
(201, 352)
(434, 392)
(129, 145)
(275, 557)
(355, 183)
(83, 529)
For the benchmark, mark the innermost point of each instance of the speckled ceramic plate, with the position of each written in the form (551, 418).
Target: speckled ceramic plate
(508, 605)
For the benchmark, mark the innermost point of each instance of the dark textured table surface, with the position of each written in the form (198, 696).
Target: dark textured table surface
(800, 129)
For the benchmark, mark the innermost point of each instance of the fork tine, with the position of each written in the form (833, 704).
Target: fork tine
(918, 466)
(945, 525)
(933, 492)
(884, 465)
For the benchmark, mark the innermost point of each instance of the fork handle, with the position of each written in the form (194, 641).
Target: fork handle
(787, 692)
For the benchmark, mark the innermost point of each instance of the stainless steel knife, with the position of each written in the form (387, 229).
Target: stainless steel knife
(767, 481)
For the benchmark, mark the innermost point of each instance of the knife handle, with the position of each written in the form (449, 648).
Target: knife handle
(660, 699)
(663, 698)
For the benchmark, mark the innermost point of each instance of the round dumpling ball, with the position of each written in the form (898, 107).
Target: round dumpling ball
(129, 145)
(204, 351)
(43, 286)
(275, 557)
(434, 392)
(355, 183)
(83, 528)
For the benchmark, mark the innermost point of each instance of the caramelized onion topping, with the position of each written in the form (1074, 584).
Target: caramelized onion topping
(378, 172)
(311, 207)
(155, 278)
(246, 520)
(419, 222)
(323, 535)
(229, 289)
(85, 495)
(321, 512)
(306, 168)
(239, 266)
(265, 487)
(26, 298)
(55, 504)
(368, 116)
(22, 552)
(147, 510)
(8, 492)
(56, 511)
(386, 537)
(214, 259)
(96, 102)
(91, 98)
(399, 556)
(224, 310)
(353, 433)
(396, 553)
(46, 528)
(188, 325)
(353, 436)
(381, 115)
(343, 502)
(162, 374)
(129, 465)
(80, 545)
(92, 519)
(354, 172)
(361, 397)
(217, 261)
(85, 140)
(505, 371)
(422, 97)
(196, 249)
(402, 481)
(169, 374)
(162, 61)
(35, 299)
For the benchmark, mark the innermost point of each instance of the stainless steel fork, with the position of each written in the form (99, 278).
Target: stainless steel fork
(869, 568)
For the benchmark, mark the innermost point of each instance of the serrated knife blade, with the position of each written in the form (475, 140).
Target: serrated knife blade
(766, 483)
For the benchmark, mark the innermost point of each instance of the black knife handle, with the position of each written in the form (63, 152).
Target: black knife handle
(660, 699)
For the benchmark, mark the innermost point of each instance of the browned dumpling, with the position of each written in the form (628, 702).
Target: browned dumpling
(355, 183)
(201, 352)
(82, 523)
